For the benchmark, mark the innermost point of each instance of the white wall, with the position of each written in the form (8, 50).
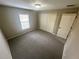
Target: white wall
(4, 48)
(10, 23)
(71, 49)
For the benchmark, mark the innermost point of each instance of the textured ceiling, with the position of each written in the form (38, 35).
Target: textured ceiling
(46, 4)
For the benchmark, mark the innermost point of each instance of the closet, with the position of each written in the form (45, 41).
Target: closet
(66, 22)
(48, 22)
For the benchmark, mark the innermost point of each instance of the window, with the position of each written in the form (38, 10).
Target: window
(24, 19)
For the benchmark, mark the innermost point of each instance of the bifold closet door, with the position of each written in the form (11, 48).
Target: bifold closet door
(43, 21)
(65, 24)
(47, 21)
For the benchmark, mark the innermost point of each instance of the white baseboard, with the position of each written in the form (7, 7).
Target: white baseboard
(21, 33)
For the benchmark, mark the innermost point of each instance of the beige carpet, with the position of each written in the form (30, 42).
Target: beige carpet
(36, 45)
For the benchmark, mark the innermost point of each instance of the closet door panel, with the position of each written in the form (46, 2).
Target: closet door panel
(47, 21)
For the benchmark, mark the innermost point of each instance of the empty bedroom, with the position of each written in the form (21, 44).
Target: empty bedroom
(39, 29)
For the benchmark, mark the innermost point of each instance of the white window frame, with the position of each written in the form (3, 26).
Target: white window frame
(24, 20)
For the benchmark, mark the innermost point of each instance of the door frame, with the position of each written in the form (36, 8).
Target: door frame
(72, 23)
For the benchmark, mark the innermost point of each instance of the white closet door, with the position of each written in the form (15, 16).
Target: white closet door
(51, 21)
(71, 48)
(47, 21)
(65, 25)
(43, 21)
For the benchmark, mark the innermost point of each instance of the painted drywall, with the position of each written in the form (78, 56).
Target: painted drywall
(10, 22)
(4, 48)
(71, 48)
(47, 21)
